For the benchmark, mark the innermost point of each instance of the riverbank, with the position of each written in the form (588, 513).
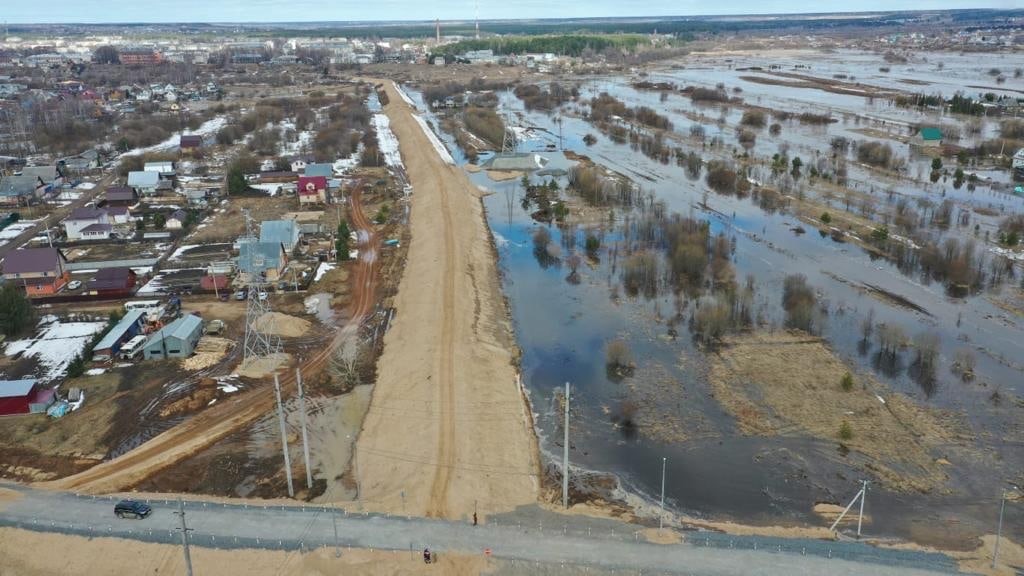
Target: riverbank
(447, 433)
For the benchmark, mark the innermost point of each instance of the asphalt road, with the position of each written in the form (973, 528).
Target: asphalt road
(247, 526)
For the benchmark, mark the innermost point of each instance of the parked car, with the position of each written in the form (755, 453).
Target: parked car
(74, 285)
(241, 295)
(132, 509)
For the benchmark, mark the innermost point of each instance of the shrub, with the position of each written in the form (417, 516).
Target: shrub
(798, 299)
(875, 153)
(721, 177)
(847, 382)
(826, 218)
(753, 118)
(618, 356)
(845, 431)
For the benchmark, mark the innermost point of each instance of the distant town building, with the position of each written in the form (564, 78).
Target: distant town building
(140, 56)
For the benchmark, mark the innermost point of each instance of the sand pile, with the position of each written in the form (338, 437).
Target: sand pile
(283, 325)
(209, 351)
(503, 175)
(262, 367)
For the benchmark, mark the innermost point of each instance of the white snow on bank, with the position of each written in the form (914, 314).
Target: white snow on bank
(386, 141)
(403, 95)
(345, 165)
(15, 230)
(209, 127)
(272, 189)
(56, 345)
(86, 186)
(181, 251)
(1010, 254)
(322, 269)
(434, 140)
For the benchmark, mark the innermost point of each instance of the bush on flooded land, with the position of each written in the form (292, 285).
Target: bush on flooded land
(746, 138)
(640, 274)
(708, 95)
(721, 177)
(485, 123)
(536, 98)
(619, 358)
(799, 299)
(1013, 129)
(876, 154)
(598, 189)
(811, 118)
(1011, 230)
(754, 119)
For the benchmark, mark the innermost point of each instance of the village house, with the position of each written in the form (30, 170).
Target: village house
(39, 271)
(928, 138)
(87, 224)
(49, 176)
(312, 190)
(144, 182)
(112, 282)
(176, 221)
(18, 190)
(264, 258)
(164, 169)
(188, 144)
(121, 196)
(324, 170)
(1018, 163)
(283, 232)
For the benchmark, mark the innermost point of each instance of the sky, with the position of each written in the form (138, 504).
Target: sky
(114, 11)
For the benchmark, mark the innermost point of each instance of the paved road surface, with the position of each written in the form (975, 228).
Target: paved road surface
(241, 526)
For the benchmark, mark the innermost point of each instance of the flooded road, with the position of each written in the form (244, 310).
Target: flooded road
(563, 327)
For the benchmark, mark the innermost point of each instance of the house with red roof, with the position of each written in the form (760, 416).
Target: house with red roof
(312, 190)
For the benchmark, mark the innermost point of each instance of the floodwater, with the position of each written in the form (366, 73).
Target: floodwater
(563, 328)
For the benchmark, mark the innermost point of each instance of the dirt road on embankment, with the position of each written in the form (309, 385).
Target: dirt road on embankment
(447, 428)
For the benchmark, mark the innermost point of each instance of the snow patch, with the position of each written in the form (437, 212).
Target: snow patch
(386, 141)
(434, 141)
(56, 345)
(322, 269)
(403, 95)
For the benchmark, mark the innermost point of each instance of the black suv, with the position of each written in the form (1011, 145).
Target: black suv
(132, 509)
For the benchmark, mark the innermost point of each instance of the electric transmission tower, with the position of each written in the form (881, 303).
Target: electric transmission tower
(508, 141)
(260, 341)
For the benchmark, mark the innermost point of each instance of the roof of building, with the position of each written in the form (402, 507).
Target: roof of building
(143, 178)
(18, 185)
(117, 210)
(16, 388)
(190, 141)
(30, 260)
(96, 228)
(325, 170)
(162, 166)
(183, 327)
(114, 334)
(47, 173)
(111, 279)
(1020, 154)
(931, 133)
(179, 215)
(120, 194)
(278, 232)
(318, 183)
(85, 214)
(250, 252)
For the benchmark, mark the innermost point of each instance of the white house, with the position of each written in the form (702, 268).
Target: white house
(81, 224)
(1018, 160)
(176, 220)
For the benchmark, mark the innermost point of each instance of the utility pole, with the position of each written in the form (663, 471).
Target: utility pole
(337, 545)
(999, 530)
(184, 537)
(661, 518)
(305, 436)
(565, 452)
(284, 438)
(863, 495)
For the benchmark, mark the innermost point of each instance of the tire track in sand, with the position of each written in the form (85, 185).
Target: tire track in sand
(438, 505)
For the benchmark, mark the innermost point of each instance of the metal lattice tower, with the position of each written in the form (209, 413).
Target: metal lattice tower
(259, 343)
(508, 141)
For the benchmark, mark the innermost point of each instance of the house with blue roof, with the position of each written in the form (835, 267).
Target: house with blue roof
(18, 190)
(132, 324)
(176, 340)
(144, 181)
(325, 170)
(266, 258)
(284, 232)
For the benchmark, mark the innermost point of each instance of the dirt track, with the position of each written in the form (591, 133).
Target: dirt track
(228, 416)
(447, 431)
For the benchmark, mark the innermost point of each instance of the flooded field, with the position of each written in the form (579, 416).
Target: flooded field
(570, 301)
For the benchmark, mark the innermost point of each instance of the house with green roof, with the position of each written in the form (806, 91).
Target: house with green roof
(930, 137)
